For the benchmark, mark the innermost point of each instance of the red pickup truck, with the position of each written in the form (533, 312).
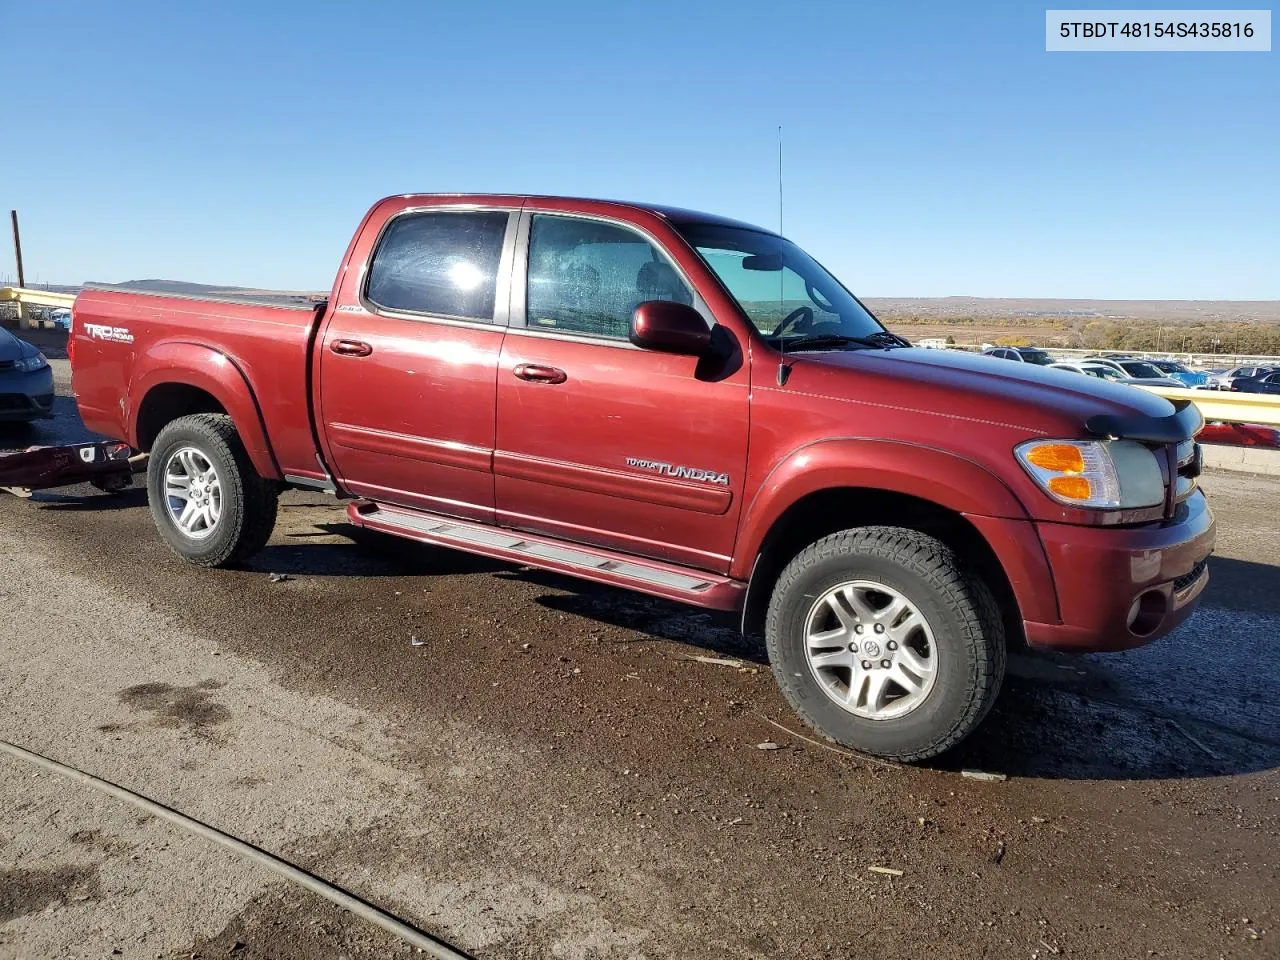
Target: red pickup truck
(683, 405)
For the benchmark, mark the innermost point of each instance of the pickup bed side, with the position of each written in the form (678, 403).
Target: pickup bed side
(141, 360)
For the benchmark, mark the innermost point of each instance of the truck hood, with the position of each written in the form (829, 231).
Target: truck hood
(1041, 400)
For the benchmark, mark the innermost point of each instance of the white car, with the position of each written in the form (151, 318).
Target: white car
(1137, 371)
(1113, 371)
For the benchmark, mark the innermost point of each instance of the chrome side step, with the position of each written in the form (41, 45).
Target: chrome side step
(603, 566)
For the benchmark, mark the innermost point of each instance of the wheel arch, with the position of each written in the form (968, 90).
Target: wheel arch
(845, 482)
(174, 380)
(829, 510)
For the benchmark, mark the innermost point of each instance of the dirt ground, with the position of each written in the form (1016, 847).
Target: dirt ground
(549, 773)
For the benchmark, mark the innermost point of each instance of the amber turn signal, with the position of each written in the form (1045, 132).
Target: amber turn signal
(1071, 487)
(1058, 457)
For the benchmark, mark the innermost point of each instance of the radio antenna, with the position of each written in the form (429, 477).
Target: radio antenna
(782, 340)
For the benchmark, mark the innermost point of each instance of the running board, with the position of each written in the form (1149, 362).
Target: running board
(590, 563)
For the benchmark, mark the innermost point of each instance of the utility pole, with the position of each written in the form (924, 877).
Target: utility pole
(17, 247)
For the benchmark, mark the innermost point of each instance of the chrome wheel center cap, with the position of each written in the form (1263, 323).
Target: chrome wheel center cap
(871, 648)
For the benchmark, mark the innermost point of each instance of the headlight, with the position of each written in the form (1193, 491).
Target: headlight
(1100, 474)
(31, 364)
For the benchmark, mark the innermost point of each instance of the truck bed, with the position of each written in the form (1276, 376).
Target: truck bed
(256, 347)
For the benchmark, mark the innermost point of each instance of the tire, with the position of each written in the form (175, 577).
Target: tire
(957, 640)
(244, 504)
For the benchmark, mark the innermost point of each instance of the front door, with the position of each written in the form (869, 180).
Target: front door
(408, 372)
(599, 441)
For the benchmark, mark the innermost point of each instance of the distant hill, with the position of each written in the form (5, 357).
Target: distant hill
(186, 289)
(942, 309)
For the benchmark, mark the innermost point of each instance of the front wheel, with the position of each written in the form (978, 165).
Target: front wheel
(881, 641)
(207, 500)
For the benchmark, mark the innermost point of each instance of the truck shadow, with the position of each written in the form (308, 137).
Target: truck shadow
(91, 501)
(1174, 709)
(708, 630)
(1202, 702)
(349, 551)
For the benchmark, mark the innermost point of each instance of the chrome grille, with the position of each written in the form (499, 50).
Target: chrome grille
(1190, 461)
(1187, 579)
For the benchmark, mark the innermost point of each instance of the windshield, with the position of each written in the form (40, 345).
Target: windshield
(1038, 357)
(1106, 373)
(1169, 366)
(783, 291)
(1144, 371)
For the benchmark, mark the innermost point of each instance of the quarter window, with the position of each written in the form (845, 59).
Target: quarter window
(443, 264)
(588, 277)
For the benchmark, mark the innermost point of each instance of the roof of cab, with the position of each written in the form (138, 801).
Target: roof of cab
(677, 215)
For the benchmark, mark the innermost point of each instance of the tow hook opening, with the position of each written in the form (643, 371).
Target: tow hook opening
(1146, 613)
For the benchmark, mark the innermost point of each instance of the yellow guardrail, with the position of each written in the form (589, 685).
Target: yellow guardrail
(24, 297)
(1227, 406)
(43, 298)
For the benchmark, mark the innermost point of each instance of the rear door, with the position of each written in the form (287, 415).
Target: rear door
(599, 441)
(407, 365)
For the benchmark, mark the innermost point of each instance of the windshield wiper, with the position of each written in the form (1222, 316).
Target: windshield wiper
(819, 340)
(882, 339)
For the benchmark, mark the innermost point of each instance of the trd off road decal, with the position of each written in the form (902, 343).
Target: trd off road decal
(97, 331)
(679, 472)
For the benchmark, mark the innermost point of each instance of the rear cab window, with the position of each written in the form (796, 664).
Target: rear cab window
(439, 263)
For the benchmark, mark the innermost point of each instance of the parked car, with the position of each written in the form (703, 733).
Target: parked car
(1106, 370)
(1228, 380)
(62, 317)
(1021, 354)
(26, 382)
(600, 389)
(1266, 383)
(1139, 372)
(1184, 375)
(1089, 369)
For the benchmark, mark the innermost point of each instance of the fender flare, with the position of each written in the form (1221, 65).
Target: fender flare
(945, 479)
(210, 370)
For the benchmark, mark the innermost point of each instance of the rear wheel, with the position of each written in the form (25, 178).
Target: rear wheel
(207, 499)
(882, 642)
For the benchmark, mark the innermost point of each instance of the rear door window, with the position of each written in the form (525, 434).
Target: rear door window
(439, 263)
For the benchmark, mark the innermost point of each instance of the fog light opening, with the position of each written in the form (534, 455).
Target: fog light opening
(1146, 613)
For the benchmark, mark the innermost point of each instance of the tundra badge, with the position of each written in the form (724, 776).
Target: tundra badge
(680, 472)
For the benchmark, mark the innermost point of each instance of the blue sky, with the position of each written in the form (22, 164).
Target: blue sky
(932, 149)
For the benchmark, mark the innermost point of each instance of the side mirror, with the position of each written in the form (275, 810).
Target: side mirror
(670, 327)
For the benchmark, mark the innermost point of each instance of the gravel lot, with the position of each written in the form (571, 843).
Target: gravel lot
(549, 773)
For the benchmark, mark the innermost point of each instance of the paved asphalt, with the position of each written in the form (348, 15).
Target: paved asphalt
(547, 772)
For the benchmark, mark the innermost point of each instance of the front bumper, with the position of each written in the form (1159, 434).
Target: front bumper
(1103, 575)
(26, 396)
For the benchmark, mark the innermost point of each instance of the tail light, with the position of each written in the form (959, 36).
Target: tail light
(71, 337)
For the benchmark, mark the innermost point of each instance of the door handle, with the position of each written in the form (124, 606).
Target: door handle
(350, 348)
(537, 373)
